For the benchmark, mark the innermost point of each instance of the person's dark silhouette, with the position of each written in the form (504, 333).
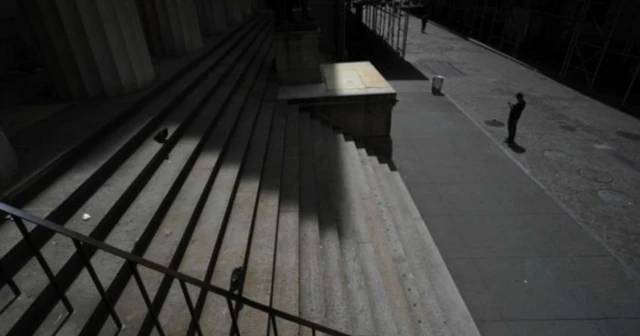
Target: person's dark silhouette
(514, 116)
(425, 15)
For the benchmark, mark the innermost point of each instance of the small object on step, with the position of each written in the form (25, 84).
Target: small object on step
(236, 279)
(167, 233)
(8, 218)
(525, 281)
(86, 217)
(162, 136)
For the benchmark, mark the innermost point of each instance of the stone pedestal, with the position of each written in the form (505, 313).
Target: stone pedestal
(171, 26)
(353, 97)
(8, 160)
(90, 47)
(297, 57)
(212, 15)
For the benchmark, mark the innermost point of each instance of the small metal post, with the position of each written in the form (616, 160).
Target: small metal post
(234, 320)
(273, 322)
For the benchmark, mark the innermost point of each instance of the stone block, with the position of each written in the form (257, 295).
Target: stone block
(354, 97)
(297, 58)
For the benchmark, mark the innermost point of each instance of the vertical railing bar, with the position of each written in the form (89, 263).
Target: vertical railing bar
(43, 263)
(9, 281)
(234, 321)
(145, 296)
(273, 322)
(313, 331)
(190, 306)
(97, 283)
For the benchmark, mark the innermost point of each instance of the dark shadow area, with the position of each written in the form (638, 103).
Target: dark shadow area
(516, 148)
(364, 45)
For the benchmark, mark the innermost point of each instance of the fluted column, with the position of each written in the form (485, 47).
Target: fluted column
(212, 16)
(90, 47)
(172, 26)
(8, 160)
(234, 10)
(247, 8)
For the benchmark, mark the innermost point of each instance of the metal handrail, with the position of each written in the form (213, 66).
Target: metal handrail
(79, 240)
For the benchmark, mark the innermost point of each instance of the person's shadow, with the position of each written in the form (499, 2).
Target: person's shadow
(517, 148)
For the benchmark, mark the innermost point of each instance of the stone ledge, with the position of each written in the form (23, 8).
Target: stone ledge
(353, 97)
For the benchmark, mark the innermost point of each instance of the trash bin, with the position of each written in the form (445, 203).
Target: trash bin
(436, 86)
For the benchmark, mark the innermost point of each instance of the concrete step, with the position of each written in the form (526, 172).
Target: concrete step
(335, 275)
(287, 269)
(93, 121)
(392, 261)
(68, 194)
(312, 264)
(262, 253)
(240, 224)
(389, 308)
(129, 223)
(200, 240)
(445, 312)
(448, 296)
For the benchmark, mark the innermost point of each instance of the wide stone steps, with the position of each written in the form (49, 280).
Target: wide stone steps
(139, 189)
(248, 194)
(68, 194)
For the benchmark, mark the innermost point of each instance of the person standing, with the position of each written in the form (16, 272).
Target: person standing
(425, 15)
(514, 115)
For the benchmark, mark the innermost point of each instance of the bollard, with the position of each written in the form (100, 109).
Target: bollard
(436, 86)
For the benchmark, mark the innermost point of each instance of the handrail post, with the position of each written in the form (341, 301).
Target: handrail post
(145, 296)
(43, 263)
(97, 283)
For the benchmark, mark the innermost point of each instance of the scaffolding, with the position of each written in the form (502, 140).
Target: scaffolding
(388, 20)
(591, 44)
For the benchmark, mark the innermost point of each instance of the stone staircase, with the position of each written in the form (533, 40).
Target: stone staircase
(245, 193)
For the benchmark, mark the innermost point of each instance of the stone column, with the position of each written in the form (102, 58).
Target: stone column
(234, 11)
(247, 8)
(212, 16)
(8, 160)
(171, 26)
(90, 47)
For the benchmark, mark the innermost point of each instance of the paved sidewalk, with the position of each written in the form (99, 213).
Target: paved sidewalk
(523, 263)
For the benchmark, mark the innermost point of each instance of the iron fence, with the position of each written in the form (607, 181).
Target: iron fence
(85, 246)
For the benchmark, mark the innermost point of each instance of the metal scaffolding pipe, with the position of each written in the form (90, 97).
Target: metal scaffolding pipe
(606, 44)
(625, 100)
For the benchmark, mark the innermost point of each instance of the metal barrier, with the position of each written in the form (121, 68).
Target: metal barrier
(82, 243)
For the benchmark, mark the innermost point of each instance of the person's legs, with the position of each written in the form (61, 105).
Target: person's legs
(512, 126)
(424, 23)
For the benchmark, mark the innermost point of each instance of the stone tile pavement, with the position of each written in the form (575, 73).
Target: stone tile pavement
(526, 237)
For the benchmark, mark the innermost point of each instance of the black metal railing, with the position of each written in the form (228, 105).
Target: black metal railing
(82, 242)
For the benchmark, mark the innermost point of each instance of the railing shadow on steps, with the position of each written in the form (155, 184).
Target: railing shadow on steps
(83, 244)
